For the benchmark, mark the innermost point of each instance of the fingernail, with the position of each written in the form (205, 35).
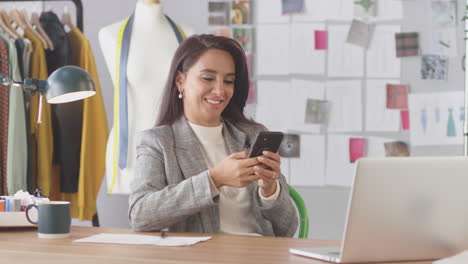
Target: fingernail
(264, 152)
(261, 158)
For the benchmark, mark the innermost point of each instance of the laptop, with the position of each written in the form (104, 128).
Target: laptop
(403, 209)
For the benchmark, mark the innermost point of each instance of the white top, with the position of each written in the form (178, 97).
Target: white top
(234, 203)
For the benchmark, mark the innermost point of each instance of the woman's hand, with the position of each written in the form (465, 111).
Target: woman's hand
(269, 171)
(236, 170)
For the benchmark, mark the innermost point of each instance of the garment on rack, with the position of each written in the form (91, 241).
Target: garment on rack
(67, 118)
(94, 134)
(42, 143)
(26, 74)
(17, 148)
(4, 91)
(19, 44)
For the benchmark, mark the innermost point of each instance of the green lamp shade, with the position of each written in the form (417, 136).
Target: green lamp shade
(68, 84)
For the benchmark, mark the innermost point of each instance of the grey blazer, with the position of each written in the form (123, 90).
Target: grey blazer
(171, 188)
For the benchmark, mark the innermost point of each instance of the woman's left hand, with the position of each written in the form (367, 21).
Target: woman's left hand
(269, 170)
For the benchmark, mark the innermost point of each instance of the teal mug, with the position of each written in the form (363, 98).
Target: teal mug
(53, 219)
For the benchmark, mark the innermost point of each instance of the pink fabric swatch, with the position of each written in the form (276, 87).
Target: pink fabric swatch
(252, 97)
(357, 149)
(405, 121)
(320, 39)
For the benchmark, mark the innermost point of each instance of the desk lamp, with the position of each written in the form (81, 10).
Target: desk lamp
(66, 84)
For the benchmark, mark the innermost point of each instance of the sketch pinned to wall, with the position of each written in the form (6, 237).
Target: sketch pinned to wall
(245, 38)
(435, 118)
(292, 6)
(309, 168)
(444, 13)
(396, 149)
(381, 55)
(360, 33)
(397, 96)
(240, 12)
(290, 146)
(357, 148)
(407, 44)
(345, 105)
(305, 59)
(378, 116)
(434, 67)
(405, 120)
(320, 39)
(344, 59)
(365, 8)
(444, 42)
(272, 49)
(218, 13)
(317, 111)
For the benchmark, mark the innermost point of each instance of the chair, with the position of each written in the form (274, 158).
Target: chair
(303, 216)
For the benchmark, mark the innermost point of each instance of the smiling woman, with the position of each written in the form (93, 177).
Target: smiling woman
(193, 174)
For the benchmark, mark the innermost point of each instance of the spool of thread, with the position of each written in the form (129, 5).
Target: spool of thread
(2, 205)
(15, 205)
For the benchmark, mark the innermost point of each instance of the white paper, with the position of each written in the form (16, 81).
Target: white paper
(274, 104)
(305, 58)
(381, 55)
(340, 10)
(130, 239)
(313, 11)
(378, 117)
(388, 10)
(344, 59)
(273, 49)
(460, 258)
(436, 118)
(444, 42)
(309, 169)
(303, 90)
(270, 12)
(345, 105)
(339, 171)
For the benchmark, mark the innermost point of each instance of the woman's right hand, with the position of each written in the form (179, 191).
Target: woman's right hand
(235, 170)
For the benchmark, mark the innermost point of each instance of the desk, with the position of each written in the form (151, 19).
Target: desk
(23, 246)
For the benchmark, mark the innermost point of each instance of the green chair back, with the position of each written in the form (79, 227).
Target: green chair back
(303, 215)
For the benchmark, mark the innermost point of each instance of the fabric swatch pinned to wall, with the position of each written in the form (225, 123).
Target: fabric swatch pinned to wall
(317, 111)
(290, 146)
(292, 6)
(434, 67)
(357, 149)
(396, 149)
(365, 8)
(407, 44)
(360, 33)
(397, 96)
(320, 39)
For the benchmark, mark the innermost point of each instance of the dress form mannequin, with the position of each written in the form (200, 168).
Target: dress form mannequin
(152, 46)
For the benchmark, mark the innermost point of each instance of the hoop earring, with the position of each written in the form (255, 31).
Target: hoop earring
(180, 95)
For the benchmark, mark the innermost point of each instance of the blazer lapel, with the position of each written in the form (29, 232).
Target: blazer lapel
(235, 139)
(187, 148)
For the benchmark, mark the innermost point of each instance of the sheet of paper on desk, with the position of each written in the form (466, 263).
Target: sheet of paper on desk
(378, 117)
(461, 258)
(130, 239)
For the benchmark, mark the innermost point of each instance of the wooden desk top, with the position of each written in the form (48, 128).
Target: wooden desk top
(23, 246)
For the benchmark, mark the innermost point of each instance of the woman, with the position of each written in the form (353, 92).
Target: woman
(192, 172)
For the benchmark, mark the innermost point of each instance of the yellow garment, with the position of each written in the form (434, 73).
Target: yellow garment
(42, 143)
(94, 135)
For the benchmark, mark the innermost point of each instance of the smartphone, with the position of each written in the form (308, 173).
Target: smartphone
(266, 140)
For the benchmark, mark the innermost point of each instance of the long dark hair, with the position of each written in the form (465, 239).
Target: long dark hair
(186, 56)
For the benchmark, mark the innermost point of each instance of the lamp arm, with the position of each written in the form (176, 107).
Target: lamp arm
(29, 85)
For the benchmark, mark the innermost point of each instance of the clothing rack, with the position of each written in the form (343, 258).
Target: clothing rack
(78, 5)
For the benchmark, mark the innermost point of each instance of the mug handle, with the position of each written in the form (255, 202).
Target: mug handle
(27, 213)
